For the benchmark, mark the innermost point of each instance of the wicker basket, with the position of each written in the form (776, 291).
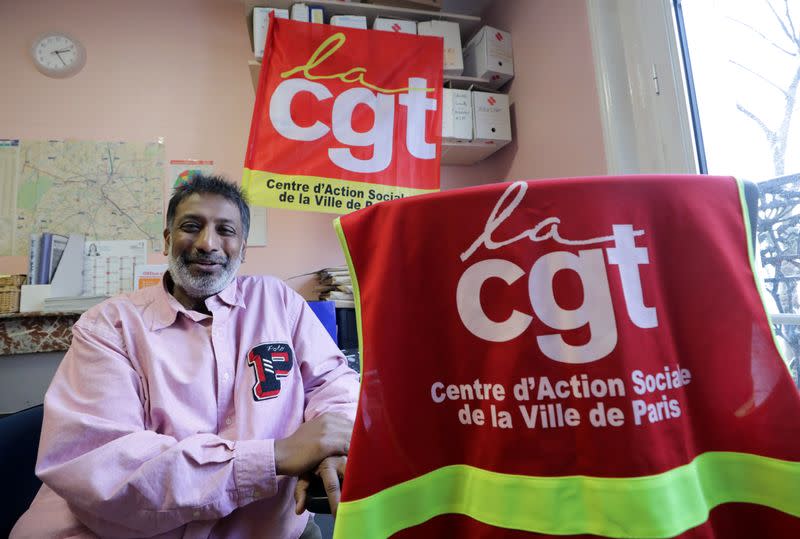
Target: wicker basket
(9, 300)
(13, 281)
(9, 292)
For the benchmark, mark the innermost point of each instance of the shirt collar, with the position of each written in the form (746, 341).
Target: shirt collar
(232, 294)
(165, 307)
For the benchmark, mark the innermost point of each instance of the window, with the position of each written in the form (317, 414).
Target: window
(742, 60)
(711, 86)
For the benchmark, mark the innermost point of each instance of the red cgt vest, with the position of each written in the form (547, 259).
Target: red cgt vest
(567, 357)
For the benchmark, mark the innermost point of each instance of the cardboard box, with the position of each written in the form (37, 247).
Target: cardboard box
(453, 62)
(261, 26)
(489, 55)
(303, 13)
(32, 297)
(491, 117)
(395, 25)
(456, 115)
(350, 21)
(300, 12)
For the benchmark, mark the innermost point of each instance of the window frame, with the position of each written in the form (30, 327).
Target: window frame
(644, 108)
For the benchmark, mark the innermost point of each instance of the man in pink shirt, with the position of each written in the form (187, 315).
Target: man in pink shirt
(190, 409)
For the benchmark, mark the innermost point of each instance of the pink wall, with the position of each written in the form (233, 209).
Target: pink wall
(555, 108)
(178, 70)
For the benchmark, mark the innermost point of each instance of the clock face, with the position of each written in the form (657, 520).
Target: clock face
(58, 55)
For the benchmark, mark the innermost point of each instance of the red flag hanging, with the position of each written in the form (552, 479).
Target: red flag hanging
(344, 118)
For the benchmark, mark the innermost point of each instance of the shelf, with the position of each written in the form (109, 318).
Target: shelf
(469, 153)
(29, 333)
(465, 83)
(40, 314)
(255, 71)
(468, 24)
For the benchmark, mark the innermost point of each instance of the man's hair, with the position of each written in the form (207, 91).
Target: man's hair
(202, 184)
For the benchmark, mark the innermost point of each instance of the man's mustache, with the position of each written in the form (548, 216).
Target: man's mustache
(198, 259)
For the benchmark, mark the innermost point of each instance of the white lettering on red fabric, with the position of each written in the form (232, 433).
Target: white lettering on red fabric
(596, 311)
(380, 137)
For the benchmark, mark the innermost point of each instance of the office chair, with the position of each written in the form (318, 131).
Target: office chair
(581, 356)
(19, 443)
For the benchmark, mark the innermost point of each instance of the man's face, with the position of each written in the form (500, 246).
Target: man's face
(205, 245)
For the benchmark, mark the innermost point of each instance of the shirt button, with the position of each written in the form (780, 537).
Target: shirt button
(226, 376)
(228, 421)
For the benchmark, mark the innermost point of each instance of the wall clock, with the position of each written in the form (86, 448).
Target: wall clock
(57, 54)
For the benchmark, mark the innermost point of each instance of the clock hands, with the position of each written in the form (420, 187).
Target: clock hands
(58, 53)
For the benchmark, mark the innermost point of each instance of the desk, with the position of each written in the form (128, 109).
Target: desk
(25, 333)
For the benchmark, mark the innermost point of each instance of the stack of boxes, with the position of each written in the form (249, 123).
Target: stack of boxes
(451, 34)
(478, 114)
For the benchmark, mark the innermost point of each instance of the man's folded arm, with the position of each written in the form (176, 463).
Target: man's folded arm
(122, 480)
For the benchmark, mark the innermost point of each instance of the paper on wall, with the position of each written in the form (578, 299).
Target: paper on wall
(109, 266)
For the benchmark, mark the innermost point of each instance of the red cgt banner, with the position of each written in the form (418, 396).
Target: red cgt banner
(344, 118)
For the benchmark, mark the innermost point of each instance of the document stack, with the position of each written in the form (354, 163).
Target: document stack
(335, 285)
(71, 303)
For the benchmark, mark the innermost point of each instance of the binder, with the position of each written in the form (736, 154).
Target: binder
(45, 248)
(325, 311)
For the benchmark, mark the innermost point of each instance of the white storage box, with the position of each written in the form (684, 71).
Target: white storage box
(261, 26)
(301, 12)
(489, 55)
(491, 117)
(350, 21)
(453, 63)
(395, 25)
(456, 115)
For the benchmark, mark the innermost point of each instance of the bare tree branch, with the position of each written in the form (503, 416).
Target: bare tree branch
(767, 131)
(768, 40)
(762, 77)
(795, 36)
(778, 18)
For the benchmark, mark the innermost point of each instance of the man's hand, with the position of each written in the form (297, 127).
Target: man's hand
(324, 436)
(331, 471)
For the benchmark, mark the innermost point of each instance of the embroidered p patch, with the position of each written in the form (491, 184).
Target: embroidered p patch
(270, 362)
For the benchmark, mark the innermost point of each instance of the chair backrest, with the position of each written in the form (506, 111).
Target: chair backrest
(572, 356)
(19, 443)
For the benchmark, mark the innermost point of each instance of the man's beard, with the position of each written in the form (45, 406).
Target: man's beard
(203, 285)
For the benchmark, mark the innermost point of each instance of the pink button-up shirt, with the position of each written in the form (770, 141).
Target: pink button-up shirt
(162, 420)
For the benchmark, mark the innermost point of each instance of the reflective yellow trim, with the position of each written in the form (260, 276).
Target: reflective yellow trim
(655, 506)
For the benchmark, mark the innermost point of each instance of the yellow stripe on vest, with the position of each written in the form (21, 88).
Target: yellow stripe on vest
(655, 506)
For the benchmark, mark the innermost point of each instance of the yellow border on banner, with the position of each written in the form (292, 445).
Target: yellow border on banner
(312, 193)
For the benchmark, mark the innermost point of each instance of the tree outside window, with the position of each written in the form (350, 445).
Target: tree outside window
(743, 64)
